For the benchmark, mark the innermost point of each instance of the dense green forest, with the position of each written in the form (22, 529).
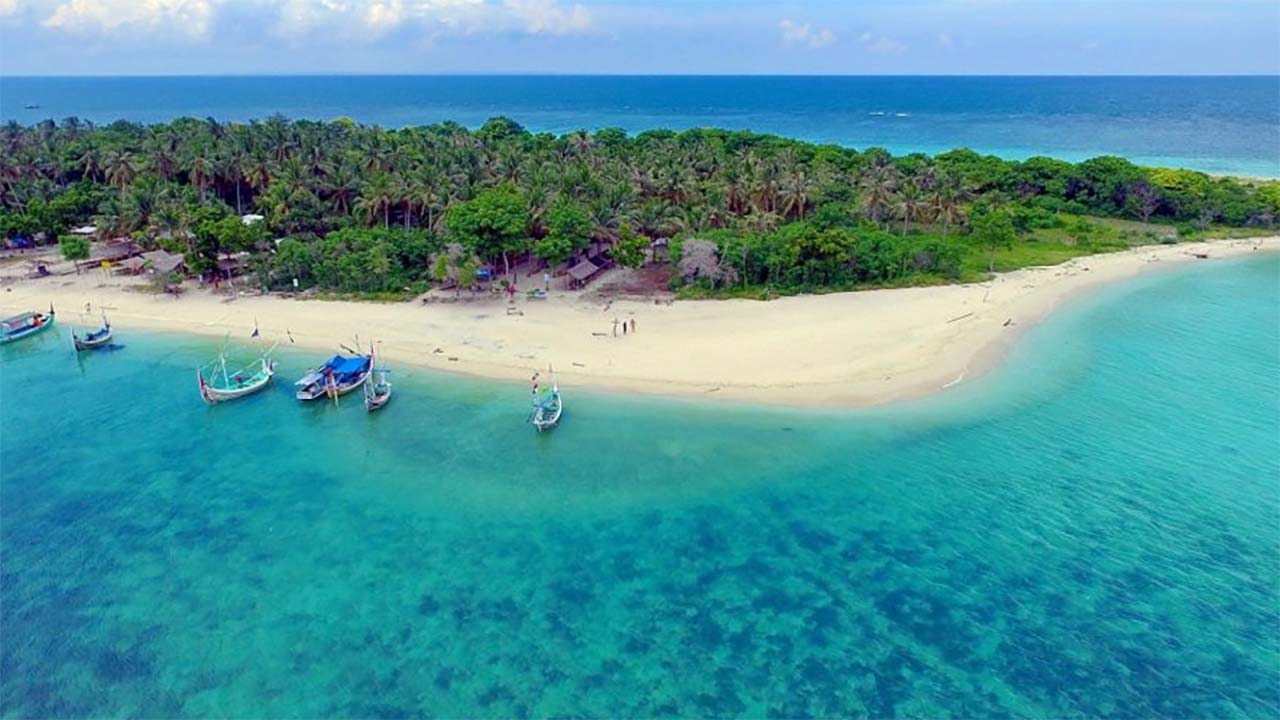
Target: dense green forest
(365, 209)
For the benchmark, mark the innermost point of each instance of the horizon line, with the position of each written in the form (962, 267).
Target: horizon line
(462, 74)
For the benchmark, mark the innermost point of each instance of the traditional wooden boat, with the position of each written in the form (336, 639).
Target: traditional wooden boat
(25, 325)
(547, 408)
(339, 376)
(218, 385)
(99, 338)
(377, 391)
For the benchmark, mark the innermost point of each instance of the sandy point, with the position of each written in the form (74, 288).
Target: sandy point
(839, 350)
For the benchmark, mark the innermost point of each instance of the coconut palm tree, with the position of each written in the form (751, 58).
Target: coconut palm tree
(911, 204)
(948, 202)
(376, 197)
(121, 169)
(797, 189)
(258, 172)
(90, 163)
(340, 187)
(878, 185)
(424, 194)
(231, 168)
(656, 219)
(199, 169)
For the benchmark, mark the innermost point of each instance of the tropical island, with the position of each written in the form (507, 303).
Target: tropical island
(606, 224)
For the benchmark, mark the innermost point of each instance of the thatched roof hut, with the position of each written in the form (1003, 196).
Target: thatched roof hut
(163, 261)
(581, 274)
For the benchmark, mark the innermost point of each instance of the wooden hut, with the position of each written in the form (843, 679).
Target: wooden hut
(110, 252)
(581, 274)
(163, 261)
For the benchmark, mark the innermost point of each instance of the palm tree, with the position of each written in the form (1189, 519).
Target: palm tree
(761, 221)
(232, 170)
(259, 173)
(90, 163)
(877, 186)
(911, 204)
(425, 195)
(199, 171)
(402, 194)
(656, 219)
(121, 169)
(376, 196)
(795, 195)
(948, 202)
(341, 187)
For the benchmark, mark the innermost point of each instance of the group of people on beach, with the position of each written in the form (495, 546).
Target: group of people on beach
(624, 323)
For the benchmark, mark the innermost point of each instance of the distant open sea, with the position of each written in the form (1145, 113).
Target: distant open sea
(1089, 532)
(1214, 124)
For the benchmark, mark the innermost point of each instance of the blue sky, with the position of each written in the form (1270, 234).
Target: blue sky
(640, 36)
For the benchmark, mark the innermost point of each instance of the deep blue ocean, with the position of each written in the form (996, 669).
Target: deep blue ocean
(1090, 531)
(1214, 124)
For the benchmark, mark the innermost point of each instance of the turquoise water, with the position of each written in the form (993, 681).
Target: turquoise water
(1214, 124)
(1091, 531)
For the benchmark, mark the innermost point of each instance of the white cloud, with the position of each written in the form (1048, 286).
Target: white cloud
(382, 16)
(796, 34)
(371, 19)
(191, 17)
(880, 44)
(296, 17)
(546, 16)
(8, 7)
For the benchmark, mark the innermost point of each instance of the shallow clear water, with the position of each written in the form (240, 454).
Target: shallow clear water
(1215, 124)
(1092, 531)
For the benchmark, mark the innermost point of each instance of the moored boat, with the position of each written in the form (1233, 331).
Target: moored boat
(547, 407)
(99, 338)
(339, 376)
(377, 391)
(218, 385)
(25, 325)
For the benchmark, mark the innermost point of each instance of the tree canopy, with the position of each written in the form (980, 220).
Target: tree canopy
(778, 210)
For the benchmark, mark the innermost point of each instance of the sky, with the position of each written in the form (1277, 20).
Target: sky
(212, 37)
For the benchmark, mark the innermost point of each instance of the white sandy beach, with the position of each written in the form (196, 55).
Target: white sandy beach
(838, 350)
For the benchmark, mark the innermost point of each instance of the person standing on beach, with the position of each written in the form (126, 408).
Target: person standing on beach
(633, 326)
(624, 328)
(615, 327)
(546, 280)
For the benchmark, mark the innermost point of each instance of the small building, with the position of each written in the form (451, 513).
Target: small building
(581, 274)
(85, 230)
(163, 261)
(232, 265)
(250, 219)
(109, 253)
(132, 266)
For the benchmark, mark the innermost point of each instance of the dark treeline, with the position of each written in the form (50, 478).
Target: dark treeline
(370, 209)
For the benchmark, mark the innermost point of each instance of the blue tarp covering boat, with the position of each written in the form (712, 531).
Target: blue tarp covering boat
(339, 376)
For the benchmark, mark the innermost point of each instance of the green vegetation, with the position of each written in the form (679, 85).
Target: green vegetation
(74, 247)
(363, 210)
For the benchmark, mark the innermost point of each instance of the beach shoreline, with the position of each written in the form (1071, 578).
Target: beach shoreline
(835, 351)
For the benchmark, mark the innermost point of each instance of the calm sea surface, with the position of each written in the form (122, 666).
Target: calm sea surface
(1090, 531)
(1215, 124)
